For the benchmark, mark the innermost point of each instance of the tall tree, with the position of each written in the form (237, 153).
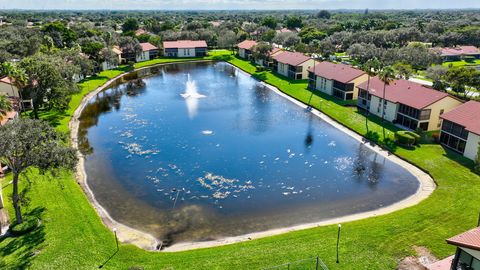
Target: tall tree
(50, 81)
(371, 67)
(293, 22)
(227, 39)
(270, 22)
(130, 24)
(28, 143)
(438, 74)
(130, 47)
(323, 14)
(461, 77)
(17, 76)
(403, 70)
(387, 75)
(262, 51)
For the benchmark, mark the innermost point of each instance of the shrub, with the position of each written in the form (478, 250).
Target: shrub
(372, 136)
(416, 136)
(436, 137)
(407, 138)
(260, 69)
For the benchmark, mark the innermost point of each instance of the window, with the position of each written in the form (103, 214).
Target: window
(412, 112)
(467, 261)
(454, 129)
(425, 115)
(442, 111)
(339, 94)
(453, 142)
(409, 122)
(424, 126)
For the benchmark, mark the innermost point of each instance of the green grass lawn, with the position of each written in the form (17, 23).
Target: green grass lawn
(73, 237)
(461, 63)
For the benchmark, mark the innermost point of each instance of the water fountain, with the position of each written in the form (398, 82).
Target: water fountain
(191, 97)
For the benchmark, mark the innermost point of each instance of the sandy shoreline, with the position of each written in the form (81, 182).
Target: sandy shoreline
(147, 241)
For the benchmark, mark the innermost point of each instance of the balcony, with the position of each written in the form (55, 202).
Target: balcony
(344, 87)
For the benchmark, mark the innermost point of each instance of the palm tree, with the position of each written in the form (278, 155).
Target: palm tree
(386, 75)
(370, 67)
(17, 76)
(5, 106)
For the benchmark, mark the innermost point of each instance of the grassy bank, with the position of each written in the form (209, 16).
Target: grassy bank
(73, 237)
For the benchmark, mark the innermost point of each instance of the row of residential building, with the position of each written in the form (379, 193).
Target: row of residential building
(180, 48)
(458, 52)
(406, 104)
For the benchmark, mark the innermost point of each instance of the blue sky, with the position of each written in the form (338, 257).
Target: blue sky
(238, 4)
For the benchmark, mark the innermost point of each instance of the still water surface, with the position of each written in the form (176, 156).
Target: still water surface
(203, 151)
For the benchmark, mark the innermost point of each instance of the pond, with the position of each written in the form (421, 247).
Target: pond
(201, 151)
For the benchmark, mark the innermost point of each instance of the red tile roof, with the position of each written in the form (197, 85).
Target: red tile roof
(459, 50)
(466, 115)
(444, 264)
(6, 80)
(406, 92)
(147, 46)
(140, 32)
(247, 44)
(184, 44)
(285, 30)
(117, 50)
(291, 58)
(338, 72)
(275, 51)
(469, 239)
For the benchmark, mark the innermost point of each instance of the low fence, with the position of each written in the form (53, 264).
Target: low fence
(314, 263)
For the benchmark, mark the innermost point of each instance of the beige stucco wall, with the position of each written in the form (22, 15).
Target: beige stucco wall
(282, 69)
(144, 56)
(241, 52)
(187, 52)
(108, 66)
(446, 104)
(6, 89)
(327, 85)
(390, 110)
(356, 82)
(259, 62)
(306, 65)
(471, 149)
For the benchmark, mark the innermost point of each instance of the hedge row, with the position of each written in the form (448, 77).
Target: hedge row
(407, 138)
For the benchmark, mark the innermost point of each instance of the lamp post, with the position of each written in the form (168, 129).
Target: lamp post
(338, 239)
(116, 239)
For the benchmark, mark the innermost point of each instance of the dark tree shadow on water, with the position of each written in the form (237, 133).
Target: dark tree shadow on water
(24, 247)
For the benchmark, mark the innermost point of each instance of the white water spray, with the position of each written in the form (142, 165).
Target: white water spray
(191, 90)
(191, 97)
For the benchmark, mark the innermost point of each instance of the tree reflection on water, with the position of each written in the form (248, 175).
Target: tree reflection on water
(106, 101)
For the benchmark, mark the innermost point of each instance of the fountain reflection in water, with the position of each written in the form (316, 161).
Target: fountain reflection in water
(191, 97)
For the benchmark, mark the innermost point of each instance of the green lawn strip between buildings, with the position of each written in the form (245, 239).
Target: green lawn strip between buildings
(72, 236)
